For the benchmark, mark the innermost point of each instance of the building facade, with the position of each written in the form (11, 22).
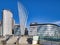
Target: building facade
(0, 28)
(7, 22)
(45, 30)
(33, 29)
(17, 30)
(48, 30)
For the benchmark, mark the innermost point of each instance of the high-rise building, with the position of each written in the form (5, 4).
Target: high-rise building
(13, 23)
(7, 22)
(0, 28)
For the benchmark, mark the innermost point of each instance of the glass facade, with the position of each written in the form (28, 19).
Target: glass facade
(17, 30)
(49, 31)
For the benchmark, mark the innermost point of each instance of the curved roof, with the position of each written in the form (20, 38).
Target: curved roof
(44, 24)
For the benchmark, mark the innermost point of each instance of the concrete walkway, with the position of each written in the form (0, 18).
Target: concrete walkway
(23, 40)
(1, 39)
(12, 40)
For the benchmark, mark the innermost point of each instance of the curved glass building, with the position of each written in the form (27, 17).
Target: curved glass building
(48, 30)
(48, 34)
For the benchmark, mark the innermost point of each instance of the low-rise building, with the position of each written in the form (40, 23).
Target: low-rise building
(43, 30)
(17, 30)
(33, 29)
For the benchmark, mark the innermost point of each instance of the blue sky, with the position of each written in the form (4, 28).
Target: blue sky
(41, 11)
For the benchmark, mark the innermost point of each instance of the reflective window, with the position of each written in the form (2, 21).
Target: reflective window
(17, 30)
(48, 31)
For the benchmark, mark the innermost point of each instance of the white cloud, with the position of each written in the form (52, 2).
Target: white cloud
(57, 22)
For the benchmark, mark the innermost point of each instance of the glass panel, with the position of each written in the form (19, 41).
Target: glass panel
(51, 32)
(17, 30)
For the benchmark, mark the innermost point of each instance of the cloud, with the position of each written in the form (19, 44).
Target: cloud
(57, 22)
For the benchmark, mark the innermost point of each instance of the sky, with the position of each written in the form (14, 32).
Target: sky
(40, 11)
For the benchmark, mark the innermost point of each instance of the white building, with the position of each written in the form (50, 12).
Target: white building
(44, 30)
(33, 29)
(7, 22)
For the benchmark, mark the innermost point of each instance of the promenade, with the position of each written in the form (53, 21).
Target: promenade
(23, 41)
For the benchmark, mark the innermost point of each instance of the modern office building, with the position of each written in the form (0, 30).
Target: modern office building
(13, 23)
(33, 29)
(48, 30)
(43, 30)
(7, 22)
(0, 28)
(17, 30)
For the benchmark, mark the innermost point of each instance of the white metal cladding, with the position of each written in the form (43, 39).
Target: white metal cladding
(7, 22)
